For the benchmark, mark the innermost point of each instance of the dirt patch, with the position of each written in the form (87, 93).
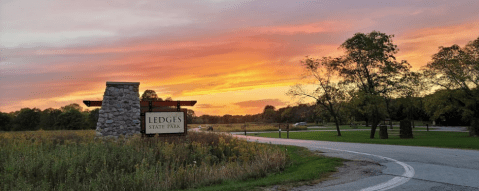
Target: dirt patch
(350, 171)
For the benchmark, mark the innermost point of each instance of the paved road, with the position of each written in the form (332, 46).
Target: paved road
(407, 167)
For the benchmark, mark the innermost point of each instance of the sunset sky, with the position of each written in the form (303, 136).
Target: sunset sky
(233, 57)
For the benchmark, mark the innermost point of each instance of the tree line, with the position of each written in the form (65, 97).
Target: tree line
(434, 107)
(69, 117)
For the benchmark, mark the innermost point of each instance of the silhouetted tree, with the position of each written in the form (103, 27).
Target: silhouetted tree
(327, 94)
(458, 68)
(190, 115)
(93, 118)
(73, 106)
(269, 114)
(48, 118)
(71, 120)
(150, 95)
(27, 119)
(371, 66)
(5, 120)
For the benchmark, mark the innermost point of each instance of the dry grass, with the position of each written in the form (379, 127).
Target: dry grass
(74, 160)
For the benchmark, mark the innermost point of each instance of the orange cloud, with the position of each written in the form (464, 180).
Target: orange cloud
(260, 103)
(418, 46)
(208, 106)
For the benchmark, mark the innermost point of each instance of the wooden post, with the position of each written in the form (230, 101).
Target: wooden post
(279, 127)
(427, 126)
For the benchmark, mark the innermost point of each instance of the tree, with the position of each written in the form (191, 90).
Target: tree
(286, 114)
(269, 114)
(190, 115)
(150, 95)
(27, 119)
(458, 68)
(444, 108)
(73, 106)
(328, 94)
(370, 65)
(5, 120)
(48, 118)
(93, 118)
(71, 120)
(411, 87)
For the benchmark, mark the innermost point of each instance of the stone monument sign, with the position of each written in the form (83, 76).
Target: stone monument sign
(122, 113)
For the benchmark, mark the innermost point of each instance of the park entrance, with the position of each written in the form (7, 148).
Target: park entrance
(122, 113)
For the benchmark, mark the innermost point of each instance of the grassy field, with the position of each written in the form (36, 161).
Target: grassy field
(250, 127)
(305, 167)
(74, 160)
(421, 138)
(341, 127)
(363, 123)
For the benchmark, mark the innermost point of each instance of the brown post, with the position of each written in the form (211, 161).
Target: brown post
(279, 127)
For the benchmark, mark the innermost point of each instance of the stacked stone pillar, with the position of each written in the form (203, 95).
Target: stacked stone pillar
(120, 110)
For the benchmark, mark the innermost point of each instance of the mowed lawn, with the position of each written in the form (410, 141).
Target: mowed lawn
(459, 140)
(343, 127)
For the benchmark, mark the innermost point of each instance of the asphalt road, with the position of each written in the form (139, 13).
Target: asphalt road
(406, 167)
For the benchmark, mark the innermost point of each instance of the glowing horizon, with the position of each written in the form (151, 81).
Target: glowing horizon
(232, 57)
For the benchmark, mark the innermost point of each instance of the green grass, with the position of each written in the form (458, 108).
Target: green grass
(459, 140)
(305, 166)
(341, 127)
(363, 123)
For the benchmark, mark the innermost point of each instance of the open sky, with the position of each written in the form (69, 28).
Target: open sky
(233, 57)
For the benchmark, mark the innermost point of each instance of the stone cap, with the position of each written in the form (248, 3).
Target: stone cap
(123, 83)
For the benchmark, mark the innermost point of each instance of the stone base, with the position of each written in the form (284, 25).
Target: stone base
(120, 110)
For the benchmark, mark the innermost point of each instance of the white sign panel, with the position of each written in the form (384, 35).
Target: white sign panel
(164, 122)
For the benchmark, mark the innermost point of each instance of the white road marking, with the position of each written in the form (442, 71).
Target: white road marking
(394, 182)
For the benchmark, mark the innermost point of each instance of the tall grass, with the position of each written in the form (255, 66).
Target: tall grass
(74, 160)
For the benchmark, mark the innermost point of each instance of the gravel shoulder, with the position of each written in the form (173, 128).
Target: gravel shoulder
(351, 171)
